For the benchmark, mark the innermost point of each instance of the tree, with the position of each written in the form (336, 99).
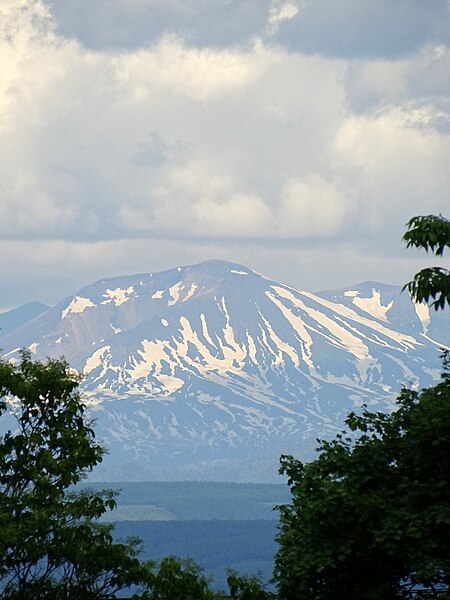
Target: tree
(247, 587)
(430, 233)
(51, 543)
(176, 579)
(370, 517)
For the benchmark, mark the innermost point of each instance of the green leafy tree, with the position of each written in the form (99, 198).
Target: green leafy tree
(430, 233)
(247, 587)
(51, 543)
(176, 579)
(370, 517)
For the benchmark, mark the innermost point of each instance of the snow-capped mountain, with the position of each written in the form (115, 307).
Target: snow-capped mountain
(211, 371)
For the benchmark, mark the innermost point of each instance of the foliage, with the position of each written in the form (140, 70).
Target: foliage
(370, 517)
(176, 579)
(247, 587)
(431, 233)
(51, 543)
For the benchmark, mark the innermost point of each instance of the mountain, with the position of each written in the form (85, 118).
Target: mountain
(13, 319)
(211, 371)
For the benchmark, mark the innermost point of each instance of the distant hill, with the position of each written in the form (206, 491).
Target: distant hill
(211, 371)
(17, 317)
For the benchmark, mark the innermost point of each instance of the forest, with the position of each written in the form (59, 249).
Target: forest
(189, 500)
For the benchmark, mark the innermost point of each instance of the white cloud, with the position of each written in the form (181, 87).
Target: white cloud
(201, 74)
(311, 207)
(393, 169)
(226, 150)
(418, 76)
(281, 11)
(242, 215)
(24, 210)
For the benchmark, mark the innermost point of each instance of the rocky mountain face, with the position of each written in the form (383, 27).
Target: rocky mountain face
(211, 371)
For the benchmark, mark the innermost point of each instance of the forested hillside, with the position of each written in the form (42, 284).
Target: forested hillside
(187, 500)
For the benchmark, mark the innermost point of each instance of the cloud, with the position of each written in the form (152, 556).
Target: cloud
(367, 28)
(139, 23)
(242, 215)
(394, 165)
(345, 28)
(279, 12)
(310, 208)
(151, 140)
(51, 270)
(198, 74)
(26, 211)
(419, 78)
(248, 151)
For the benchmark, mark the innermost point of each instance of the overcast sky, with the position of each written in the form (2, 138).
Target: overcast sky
(295, 137)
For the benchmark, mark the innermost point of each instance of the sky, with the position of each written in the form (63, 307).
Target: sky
(296, 137)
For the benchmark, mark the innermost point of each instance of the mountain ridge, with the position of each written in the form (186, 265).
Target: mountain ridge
(212, 370)
(16, 317)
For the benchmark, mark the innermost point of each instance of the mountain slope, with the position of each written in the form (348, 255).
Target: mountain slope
(212, 371)
(16, 317)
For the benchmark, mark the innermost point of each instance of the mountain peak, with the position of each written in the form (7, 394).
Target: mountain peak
(210, 368)
(215, 269)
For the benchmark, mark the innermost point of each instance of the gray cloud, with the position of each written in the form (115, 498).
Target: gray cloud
(366, 28)
(124, 24)
(345, 28)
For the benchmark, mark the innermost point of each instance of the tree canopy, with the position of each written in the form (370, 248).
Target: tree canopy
(429, 233)
(247, 587)
(370, 517)
(51, 543)
(175, 579)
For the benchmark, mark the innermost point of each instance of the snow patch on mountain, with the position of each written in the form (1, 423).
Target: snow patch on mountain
(407, 341)
(118, 296)
(281, 348)
(33, 347)
(205, 330)
(297, 324)
(372, 305)
(423, 312)
(191, 292)
(96, 360)
(174, 293)
(229, 358)
(77, 305)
